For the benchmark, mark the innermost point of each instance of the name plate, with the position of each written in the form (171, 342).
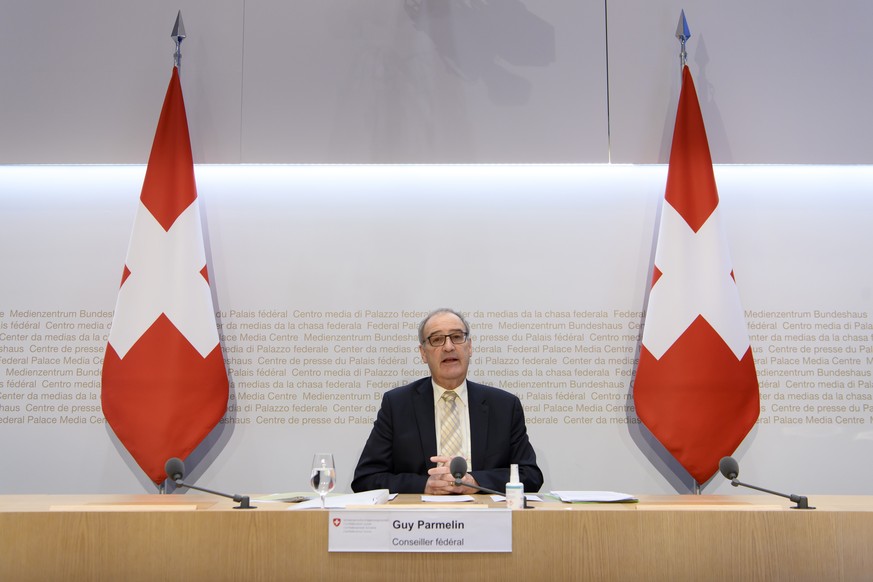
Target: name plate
(420, 530)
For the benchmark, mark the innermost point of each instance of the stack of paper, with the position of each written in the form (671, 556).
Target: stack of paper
(290, 497)
(594, 497)
(373, 497)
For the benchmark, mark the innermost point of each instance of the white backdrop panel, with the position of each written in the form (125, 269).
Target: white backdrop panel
(309, 259)
(460, 81)
(770, 93)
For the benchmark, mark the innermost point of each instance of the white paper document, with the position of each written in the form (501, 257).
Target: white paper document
(289, 497)
(373, 497)
(528, 496)
(593, 496)
(446, 498)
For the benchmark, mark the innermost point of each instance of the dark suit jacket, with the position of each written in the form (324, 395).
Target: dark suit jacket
(397, 454)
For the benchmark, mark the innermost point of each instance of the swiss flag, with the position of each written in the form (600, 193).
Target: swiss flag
(695, 388)
(165, 384)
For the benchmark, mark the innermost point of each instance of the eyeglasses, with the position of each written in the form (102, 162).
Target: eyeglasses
(457, 337)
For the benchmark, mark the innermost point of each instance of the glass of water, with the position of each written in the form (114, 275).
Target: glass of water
(322, 479)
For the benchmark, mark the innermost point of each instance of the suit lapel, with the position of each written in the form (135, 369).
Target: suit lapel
(478, 423)
(424, 417)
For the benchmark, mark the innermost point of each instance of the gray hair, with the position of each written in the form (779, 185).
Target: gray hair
(424, 321)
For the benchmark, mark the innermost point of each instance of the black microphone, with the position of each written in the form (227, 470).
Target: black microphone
(458, 468)
(175, 469)
(731, 470)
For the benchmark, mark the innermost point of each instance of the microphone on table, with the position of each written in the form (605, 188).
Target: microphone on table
(458, 468)
(175, 469)
(731, 469)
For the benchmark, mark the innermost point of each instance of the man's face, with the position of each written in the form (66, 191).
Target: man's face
(448, 363)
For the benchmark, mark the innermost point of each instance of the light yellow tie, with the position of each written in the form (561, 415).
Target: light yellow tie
(450, 427)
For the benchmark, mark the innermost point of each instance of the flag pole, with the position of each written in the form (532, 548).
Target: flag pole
(683, 33)
(178, 35)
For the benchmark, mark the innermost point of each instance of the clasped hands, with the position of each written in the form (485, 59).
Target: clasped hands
(441, 482)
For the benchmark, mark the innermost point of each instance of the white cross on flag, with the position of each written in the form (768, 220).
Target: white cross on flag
(164, 384)
(695, 388)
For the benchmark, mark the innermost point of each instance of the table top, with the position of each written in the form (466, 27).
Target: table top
(204, 502)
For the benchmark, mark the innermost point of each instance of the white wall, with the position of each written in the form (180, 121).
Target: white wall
(427, 81)
(499, 239)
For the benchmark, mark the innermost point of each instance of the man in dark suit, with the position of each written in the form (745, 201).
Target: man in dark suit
(408, 452)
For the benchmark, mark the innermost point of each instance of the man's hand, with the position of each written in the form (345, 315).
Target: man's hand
(441, 482)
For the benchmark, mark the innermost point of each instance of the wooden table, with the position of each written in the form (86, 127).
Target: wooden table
(200, 537)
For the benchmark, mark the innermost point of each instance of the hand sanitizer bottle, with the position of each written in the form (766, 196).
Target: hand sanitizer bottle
(514, 490)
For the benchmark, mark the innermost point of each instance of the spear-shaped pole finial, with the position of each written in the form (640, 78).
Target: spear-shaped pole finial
(683, 33)
(178, 35)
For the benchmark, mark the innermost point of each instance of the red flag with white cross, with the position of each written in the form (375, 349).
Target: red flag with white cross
(164, 383)
(695, 388)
